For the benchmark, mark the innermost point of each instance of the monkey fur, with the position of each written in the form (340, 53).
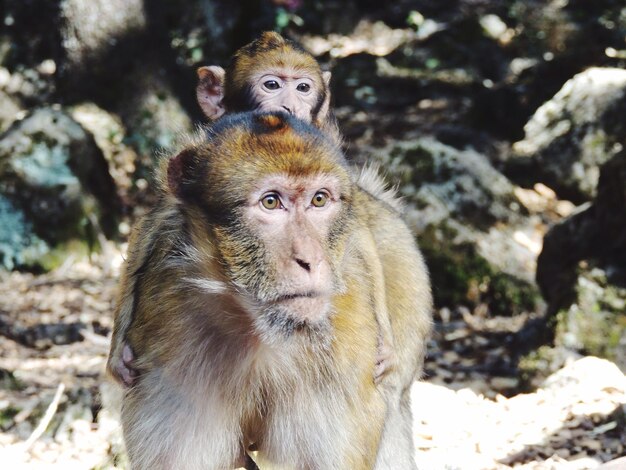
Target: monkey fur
(249, 338)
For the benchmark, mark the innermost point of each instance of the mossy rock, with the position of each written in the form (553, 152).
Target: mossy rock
(20, 247)
(56, 192)
(464, 213)
(595, 324)
(573, 134)
(462, 181)
(461, 276)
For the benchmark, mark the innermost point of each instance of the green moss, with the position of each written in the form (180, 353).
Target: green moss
(597, 141)
(596, 322)
(59, 254)
(460, 276)
(594, 333)
(21, 248)
(509, 294)
(420, 163)
(537, 361)
(6, 417)
(538, 365)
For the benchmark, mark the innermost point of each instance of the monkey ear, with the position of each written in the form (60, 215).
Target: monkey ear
(322, 115)
(180, 173)
(210, 91)
(326, 76)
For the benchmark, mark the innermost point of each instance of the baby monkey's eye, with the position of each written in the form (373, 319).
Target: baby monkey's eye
(320, 199)
(303, 87)
(271, 201)
(271, 85)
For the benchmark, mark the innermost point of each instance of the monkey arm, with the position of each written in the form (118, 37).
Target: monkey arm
(121, 354)
(385, 350)
(407, 290)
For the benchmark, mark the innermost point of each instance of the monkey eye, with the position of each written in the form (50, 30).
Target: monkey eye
(271, 85)
(271, 201)
(303, 87)
(320, 199)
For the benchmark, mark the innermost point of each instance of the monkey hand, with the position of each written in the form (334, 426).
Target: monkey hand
(120, 365)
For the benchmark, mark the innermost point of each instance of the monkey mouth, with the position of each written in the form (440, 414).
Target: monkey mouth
(296, 295)
(302, 307)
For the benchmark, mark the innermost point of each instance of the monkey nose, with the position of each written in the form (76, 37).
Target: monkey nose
(304, 265)
(287, 109)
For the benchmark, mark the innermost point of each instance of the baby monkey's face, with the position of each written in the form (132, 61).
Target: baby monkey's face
(287, 90)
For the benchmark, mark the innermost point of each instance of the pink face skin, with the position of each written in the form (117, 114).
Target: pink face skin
(293, 216)
(286, 91)
(279, 89)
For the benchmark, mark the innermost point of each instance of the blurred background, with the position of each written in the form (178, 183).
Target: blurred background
(501, 122)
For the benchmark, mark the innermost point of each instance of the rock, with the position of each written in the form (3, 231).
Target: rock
(585, 377)
(89, 28)
(373, 38)
(155, 121)
(110, 134)
(582, 269)
(19, 245)
(594, 322)
(55, 187)
(9, 110)
(573, 134)
(150, 98)
(471, 227)
(616, 464)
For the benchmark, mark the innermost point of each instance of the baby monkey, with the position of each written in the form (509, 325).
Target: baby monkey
(255, 284)
(269, 74)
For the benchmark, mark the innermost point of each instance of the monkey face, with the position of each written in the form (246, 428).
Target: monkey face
(271, 74)
(275, 197)
(287, 227)
(286, 89)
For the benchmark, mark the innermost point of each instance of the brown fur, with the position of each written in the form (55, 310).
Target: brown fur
(214, 378)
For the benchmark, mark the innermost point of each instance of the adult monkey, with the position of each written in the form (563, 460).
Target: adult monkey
(255, 282)
(269, 74)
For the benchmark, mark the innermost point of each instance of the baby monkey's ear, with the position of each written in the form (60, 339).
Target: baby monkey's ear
(210, 91)
(323, 114)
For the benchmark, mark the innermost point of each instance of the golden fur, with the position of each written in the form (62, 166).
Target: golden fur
(212, 380)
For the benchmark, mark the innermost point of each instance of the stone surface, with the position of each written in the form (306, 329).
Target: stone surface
(92, 27)
(570, 136)
(55, 186)
(582, 269)
(9, 110)
(109, 134)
